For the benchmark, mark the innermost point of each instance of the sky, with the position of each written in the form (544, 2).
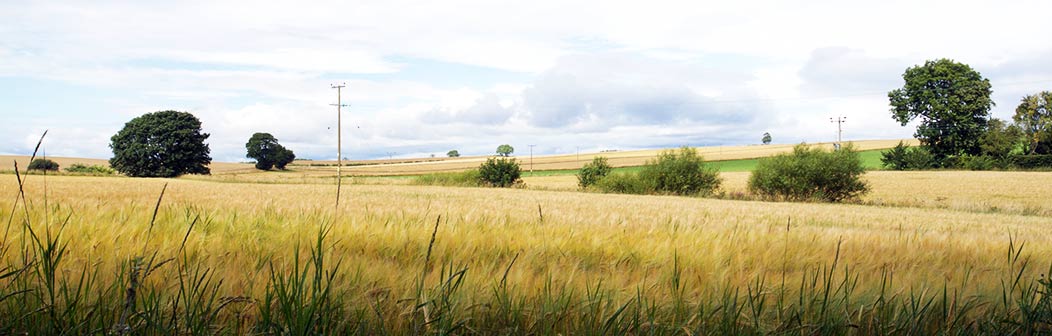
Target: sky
(426, 77)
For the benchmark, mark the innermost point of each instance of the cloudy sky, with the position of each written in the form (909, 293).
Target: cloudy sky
(424, 77)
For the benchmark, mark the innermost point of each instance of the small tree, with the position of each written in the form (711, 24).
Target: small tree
(505, 150)
(766, 138)
(43, 164)
(453, 153)
(682, 173)
(810, 174)
(161, 144)
(267, 152)
(593, 172)
(895, 157)
(501, 172)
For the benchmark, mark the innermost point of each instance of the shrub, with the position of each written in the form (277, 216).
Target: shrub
(680, 174)
(43, 164)
(810, 174)
(979, 162)
(468, 178)
(904, 157)
(919, 158)
(623, 183)
(1031, 161)
(503, 172)
(92, 169)
(593, 171)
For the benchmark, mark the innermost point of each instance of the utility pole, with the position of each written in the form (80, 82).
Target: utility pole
(578, 154)
(839, 129)
(339, 139)
(531, 159)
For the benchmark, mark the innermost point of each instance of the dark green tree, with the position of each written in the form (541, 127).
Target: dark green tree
(505, 150)
(267, 152)
(161, 144)
(951, 101)
(766, 138)
(453, 153)
(1034, 117)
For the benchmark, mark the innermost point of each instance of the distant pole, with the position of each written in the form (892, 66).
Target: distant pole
(578, 154)
(339, 139)
(531, 159)
(839, 128)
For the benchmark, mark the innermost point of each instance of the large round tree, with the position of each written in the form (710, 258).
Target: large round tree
(161, 144)
(952, 102)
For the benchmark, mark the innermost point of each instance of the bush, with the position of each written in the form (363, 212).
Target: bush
(503, 172)
(810, 174)
(623, 183)
(904, 157)
(468, 178)
(1031, 161)
(43, 164)
(979, 162)
(93, 169)
(680, 174)
(592, 172)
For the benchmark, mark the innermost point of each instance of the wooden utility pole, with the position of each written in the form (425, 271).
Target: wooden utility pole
(339, 140)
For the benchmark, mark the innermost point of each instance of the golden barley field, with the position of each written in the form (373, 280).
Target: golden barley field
(924, 247)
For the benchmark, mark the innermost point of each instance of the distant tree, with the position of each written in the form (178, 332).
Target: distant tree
(161, 144)
(505, 150)
(43, 164)
(952, 102)
(1034, 117)
(453, 153)
(766, 138)
(267, 152)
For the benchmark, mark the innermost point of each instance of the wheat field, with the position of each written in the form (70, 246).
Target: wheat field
(414, 259)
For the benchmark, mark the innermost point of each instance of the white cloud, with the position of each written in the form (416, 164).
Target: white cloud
(594, 74)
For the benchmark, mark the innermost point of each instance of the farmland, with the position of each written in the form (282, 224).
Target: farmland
(924, 252)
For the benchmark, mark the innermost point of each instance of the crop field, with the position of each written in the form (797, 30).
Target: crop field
(925, 252)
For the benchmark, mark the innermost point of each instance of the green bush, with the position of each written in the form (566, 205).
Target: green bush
(1031, 161)
(904, 157)
(623, 183)
(979, 162)
(592, 172)
(681, 174)
(503, 172)
(810, 173)
(468, 178)
(43, 164)
(92, 169)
